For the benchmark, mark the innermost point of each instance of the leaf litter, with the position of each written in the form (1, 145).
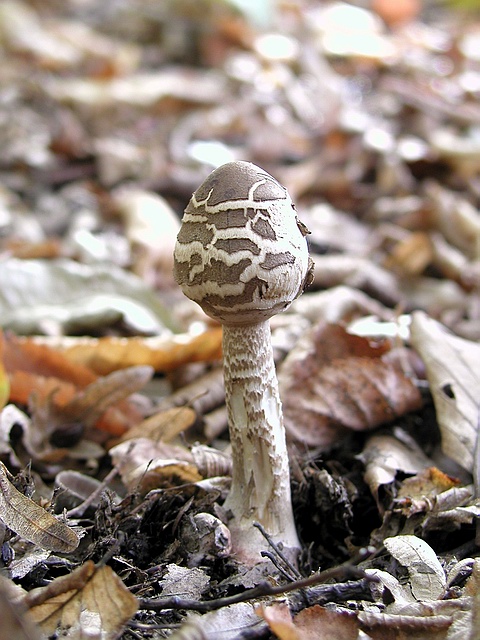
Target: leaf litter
(114, 452)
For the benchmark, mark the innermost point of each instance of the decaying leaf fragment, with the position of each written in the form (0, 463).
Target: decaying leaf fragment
(31, 521)
(473, 589)
(184, 582)
(333, 381)
(398, 627)
(90, 602)
(453, 371)
(15, 624)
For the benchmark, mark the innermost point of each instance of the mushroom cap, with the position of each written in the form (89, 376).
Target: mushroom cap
(241, 252)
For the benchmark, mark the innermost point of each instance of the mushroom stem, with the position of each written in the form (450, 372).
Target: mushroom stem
(260, 477)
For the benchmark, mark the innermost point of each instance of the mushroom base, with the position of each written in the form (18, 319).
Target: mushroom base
(260, 477)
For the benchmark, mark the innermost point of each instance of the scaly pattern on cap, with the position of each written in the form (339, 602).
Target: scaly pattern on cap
(241, 252)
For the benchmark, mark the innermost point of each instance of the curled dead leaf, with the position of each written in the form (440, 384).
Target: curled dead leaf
(92, 402)
(69, 391)
(384, 455)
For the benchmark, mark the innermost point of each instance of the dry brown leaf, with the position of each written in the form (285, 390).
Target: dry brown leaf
(334, 380)
(211, 462)
(472, 588)
(411, 256)
(26, 250)
(169, 88)
(24, 384)
(104, 355)
(357, 272)
(453, 371)
(428, 484)
(88, 603)
(456, 218)
(184, 582)
(29, 520)
(381, 626)
(319, 623)
(24, 354)
(449, 509)
(223, 624)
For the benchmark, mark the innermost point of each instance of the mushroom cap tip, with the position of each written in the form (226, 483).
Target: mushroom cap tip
(241, 252)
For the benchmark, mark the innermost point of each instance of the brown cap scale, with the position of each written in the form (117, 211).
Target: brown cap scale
(241, 254)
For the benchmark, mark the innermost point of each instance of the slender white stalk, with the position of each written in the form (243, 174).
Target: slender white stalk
(260, 479)
(241, 254)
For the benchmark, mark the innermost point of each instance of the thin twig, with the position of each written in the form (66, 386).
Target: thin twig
(276, 562)
(345, 571)
(279, 553)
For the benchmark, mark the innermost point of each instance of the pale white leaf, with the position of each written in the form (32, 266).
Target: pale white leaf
(401, 594)
(62, 293)
(453, 372)
(427, 577)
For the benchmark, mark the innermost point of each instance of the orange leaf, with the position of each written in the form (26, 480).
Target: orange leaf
(279, 619)
(23, 384)
(313, 623)
(104, 355)
(25, 355)
(38, 369)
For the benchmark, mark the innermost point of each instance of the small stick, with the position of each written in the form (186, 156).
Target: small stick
(346, 571)
(294, 571)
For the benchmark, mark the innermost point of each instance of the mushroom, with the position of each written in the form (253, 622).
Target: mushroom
(241, 254)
